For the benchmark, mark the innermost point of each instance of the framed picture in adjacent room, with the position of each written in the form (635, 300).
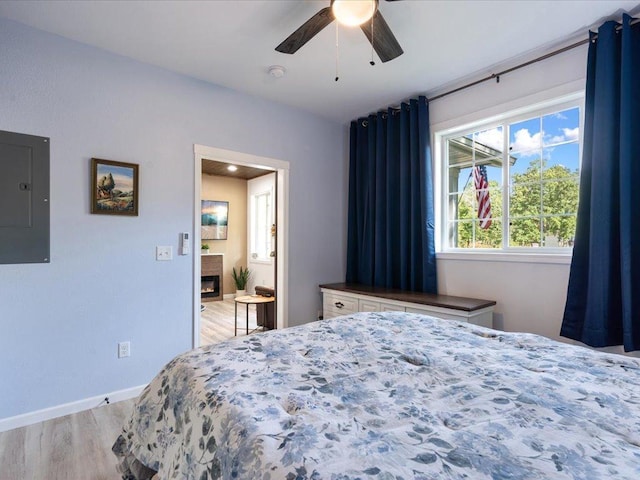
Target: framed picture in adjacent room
(114, 187)
(215, 217)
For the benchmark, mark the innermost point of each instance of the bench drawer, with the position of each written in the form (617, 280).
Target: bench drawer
(334, 305)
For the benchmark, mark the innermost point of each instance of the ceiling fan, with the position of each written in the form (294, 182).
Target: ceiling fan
(363, 13)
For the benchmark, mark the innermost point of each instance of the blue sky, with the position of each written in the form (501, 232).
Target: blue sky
(554, 136)
(122, 176)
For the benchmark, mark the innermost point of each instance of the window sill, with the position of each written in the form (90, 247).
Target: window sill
(513, 257)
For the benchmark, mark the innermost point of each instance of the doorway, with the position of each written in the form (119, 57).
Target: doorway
(261, 165)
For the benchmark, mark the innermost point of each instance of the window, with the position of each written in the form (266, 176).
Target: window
(513, 184)
(261, 234)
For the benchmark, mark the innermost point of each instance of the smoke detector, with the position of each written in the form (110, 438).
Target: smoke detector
(276, 71)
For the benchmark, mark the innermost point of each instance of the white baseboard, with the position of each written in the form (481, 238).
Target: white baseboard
(30, 418)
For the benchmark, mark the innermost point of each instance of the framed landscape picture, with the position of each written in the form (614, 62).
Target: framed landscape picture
(215, 217)
(114, 187)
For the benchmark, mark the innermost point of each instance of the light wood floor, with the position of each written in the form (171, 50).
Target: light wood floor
(217, 321)
(75, 447)
(78, 446)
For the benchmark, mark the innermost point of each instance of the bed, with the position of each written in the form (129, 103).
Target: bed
(387, 396)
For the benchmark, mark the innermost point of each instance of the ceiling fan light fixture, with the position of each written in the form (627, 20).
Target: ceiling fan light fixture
(352, 13)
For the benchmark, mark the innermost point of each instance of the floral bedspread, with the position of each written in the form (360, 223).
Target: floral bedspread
(388, 396)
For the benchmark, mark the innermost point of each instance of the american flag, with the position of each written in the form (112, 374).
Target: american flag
(482, 195)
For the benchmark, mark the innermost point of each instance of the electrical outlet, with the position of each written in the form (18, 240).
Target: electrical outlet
(124, 349)
(164, 253)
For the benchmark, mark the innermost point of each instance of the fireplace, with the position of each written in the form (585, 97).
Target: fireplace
(210, 286)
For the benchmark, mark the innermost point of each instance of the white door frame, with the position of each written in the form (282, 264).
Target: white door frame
(281, 168)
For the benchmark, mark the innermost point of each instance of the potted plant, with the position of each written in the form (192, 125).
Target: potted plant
(240, 278)
(205, 248)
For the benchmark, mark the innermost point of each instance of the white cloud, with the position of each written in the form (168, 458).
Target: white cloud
(491, 138)
(525, 141)
(571, 133)
(123, 182)
(568, 135)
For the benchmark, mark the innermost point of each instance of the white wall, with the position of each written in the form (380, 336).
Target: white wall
(60, 322)
(530, 296)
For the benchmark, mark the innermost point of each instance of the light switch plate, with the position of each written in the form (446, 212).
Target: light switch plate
(124, 349)
(164, 253)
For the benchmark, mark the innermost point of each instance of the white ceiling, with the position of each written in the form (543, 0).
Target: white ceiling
(231, 43)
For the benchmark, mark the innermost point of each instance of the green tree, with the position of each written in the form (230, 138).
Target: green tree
(543, 205)
(469, 233)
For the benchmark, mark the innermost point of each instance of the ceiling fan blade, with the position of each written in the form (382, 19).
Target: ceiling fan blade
(307, 31)
(382, 39)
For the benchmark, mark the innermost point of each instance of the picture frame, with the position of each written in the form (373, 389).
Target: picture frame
(114, 187)
(214, 219)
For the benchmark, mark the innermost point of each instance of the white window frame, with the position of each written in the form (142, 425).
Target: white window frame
(506, 253)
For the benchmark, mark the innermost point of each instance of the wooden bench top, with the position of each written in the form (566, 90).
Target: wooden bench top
(444, 301)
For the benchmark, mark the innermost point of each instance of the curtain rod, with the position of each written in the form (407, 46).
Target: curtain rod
(497, 76)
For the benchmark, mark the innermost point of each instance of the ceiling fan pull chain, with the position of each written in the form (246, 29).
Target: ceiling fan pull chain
(337, 77)
(372, 63)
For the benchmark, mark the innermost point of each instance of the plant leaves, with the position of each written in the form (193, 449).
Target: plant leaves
(425, 458)
(211, 444)
(206, 426)
(454, 457)
(440, 443)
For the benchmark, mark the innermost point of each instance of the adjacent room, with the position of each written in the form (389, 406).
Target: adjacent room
(238, 252)
(319, 239)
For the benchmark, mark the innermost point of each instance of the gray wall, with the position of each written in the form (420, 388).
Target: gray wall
(60, 322)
